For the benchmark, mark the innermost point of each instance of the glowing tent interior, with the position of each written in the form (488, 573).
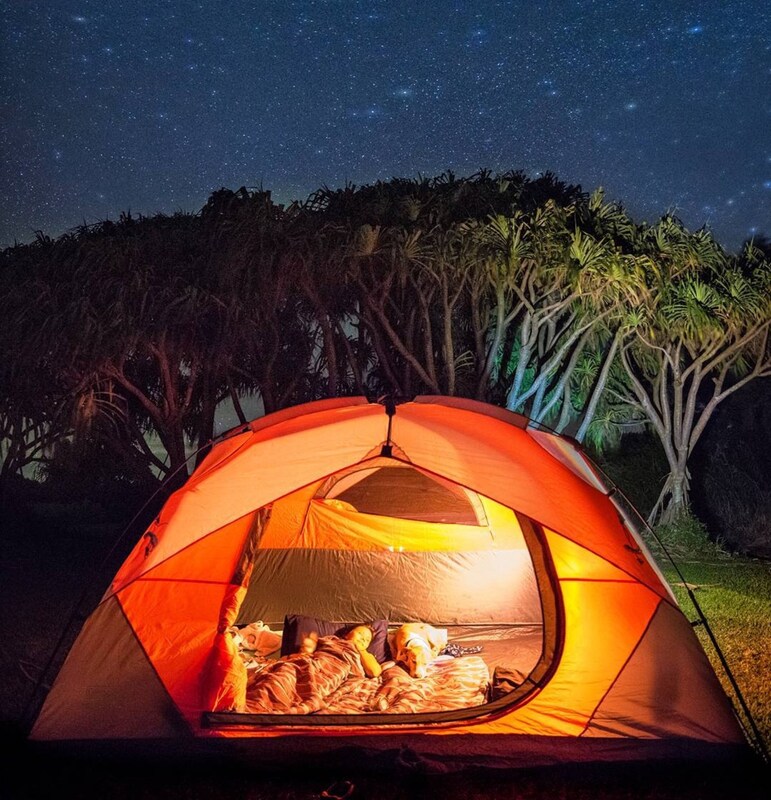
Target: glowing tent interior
(440, 510)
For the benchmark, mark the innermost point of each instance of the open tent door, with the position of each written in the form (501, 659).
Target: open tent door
(388, 542)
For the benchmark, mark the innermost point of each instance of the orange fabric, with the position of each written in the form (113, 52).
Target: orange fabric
(299, 451)
(213, 558)
(484, 453)
(175, 586)
(565, 451)
(575, 562)
(667, 687)
(175, 611)
(224, 676)
(174, 627)
(606, 616)
(505, 463)
(605, 619)
(220, 453)
(224, 680)
(287, 517)
(330, 525)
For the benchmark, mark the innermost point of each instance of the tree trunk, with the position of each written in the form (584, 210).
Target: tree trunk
(599, 387)
(674, 498)
(206, 422)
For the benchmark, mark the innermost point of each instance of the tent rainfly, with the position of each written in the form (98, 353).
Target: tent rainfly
(438, 510)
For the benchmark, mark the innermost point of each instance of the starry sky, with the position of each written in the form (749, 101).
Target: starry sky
(148, 106)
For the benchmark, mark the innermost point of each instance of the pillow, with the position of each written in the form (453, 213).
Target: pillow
(258, 637)
(298, 626)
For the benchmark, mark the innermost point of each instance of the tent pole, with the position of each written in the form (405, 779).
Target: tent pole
(759, 743)
(390, 409)
(755, 738)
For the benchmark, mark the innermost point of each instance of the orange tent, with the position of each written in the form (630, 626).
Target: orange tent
(441, 510)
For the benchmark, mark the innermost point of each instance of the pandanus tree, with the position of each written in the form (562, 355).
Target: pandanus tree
(553, 293)
(266, 339)
(141, 328)
(382, 265)
(34, 406)
(123, 324)
(525, 320)
(47, 397)
(523, 292)
(417, 267)
(611, 282)
(138, 330)
(338, 359)
(413, 299)
(701, 336)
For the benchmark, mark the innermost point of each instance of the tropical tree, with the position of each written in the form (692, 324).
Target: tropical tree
(35, 406)
(112, 327)
(524, 292)
(266, 339)
(611, 280)
(431, 260)
(557, 292)
(701, 336)
(32, 414)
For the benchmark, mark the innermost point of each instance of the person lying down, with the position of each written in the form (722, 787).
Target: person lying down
(301, 682)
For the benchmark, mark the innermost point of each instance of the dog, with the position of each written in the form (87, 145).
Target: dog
(416, 645)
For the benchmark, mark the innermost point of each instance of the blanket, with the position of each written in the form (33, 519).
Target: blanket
(451, 683)
(302, 682)
(332, 686)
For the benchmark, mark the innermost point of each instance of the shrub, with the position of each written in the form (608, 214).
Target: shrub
(638, 467)
(686, 536)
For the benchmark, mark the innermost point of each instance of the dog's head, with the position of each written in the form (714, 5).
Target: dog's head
(416, 655)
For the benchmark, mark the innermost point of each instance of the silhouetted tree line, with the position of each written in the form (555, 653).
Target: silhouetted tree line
(528, 293)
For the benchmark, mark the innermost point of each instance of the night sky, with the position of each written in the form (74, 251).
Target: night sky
(114, 106)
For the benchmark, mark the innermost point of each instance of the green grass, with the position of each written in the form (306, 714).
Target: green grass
(734, 596)
(730, 597)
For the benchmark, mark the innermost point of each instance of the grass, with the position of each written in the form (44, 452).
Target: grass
(728, 600)
(734, 596)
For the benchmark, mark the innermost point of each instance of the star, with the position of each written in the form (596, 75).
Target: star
(325, 92)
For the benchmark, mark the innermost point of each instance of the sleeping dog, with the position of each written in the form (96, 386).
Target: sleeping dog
(416, 645)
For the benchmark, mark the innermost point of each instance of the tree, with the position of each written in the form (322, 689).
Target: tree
(558, 284)
(701, 336)
(35, 406)
(437, 276)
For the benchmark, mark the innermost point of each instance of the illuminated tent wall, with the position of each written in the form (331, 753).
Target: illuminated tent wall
(448, 511)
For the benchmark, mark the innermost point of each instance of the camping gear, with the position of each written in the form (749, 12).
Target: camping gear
(438, 509)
